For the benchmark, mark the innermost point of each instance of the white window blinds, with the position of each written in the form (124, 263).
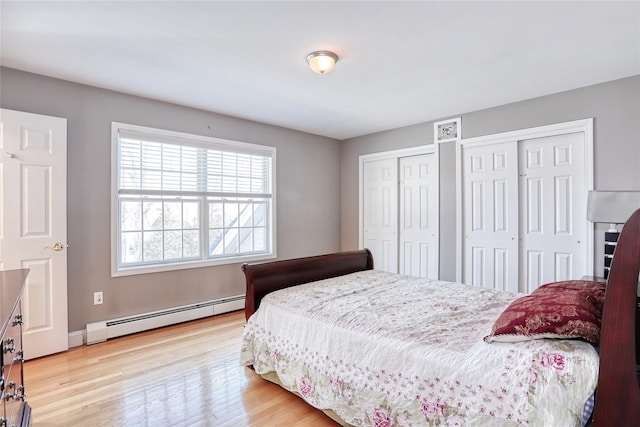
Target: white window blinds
(189, 199)
(149, 164)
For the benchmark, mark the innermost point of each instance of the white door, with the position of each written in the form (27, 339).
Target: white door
(490, 216)
(523, 207)
(419, 216)
(380, 207)
(553, 206)
(33, 157)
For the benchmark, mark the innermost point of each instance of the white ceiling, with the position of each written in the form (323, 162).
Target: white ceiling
(400, 63)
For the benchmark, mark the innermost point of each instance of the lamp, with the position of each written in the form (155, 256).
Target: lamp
(613, 207)
(322, 61)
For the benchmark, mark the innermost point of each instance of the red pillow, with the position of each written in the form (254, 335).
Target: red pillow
(569, 309)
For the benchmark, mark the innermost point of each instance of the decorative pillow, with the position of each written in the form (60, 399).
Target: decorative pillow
(569, 309)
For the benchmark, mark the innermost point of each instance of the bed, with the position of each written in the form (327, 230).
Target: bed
(430, 352)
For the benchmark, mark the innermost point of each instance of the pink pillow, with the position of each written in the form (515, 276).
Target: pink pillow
(569, 309)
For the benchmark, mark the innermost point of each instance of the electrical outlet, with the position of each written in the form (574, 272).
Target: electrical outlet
(97, 298)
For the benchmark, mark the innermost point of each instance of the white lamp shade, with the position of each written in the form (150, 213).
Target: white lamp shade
(322, 61)
(613, 207)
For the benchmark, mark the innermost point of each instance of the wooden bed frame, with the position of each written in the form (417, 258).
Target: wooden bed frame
(617, 400)
(271, 276)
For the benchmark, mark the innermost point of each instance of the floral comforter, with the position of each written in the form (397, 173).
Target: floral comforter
(383, 350)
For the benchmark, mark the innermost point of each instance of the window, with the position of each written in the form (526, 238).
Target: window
(181, 200)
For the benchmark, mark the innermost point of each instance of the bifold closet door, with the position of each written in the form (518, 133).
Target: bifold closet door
(418, 216)
(380, 208)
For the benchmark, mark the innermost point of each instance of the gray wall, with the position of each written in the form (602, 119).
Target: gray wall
(307, 165)
(615, 107)
(308, 193)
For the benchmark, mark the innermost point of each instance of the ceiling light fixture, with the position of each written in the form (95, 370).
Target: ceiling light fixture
(322, 61)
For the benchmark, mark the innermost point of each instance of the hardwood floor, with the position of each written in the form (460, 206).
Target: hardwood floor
(182, 375)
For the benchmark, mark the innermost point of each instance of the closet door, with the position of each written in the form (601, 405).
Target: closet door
(380, 212)
(523, 207)
(552, 202)
(490, 215)
(419, 216)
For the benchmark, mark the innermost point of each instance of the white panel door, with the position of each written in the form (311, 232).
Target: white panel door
(490, 215)
(33, 156)
(418, 216)
(553, 208)
(380, 212)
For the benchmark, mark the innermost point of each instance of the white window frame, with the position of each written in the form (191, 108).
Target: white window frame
(231, 146)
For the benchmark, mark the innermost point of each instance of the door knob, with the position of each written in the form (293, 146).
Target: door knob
(56, 247)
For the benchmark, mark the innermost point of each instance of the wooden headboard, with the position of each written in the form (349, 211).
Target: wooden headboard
(271, 276)
(618, 392)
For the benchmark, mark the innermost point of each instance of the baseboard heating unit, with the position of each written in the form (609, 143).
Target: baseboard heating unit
(104, 330)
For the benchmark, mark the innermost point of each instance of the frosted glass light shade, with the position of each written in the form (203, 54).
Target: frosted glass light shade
(322, 61)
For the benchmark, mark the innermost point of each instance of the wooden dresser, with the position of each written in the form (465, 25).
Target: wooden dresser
(14, 410)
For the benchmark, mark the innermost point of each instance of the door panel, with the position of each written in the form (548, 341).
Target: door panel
(381, 212)
(552, 180)
(490, 216)
(33, 183)
(419, 216)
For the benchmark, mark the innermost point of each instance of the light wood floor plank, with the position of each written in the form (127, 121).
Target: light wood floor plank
(182, 375)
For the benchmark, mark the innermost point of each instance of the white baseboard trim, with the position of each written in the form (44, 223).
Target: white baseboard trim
(77, 338)
(96, 332)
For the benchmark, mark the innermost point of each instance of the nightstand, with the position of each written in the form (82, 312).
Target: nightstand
(610, 242)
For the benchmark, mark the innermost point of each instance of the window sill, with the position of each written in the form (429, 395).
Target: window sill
(135, 270)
